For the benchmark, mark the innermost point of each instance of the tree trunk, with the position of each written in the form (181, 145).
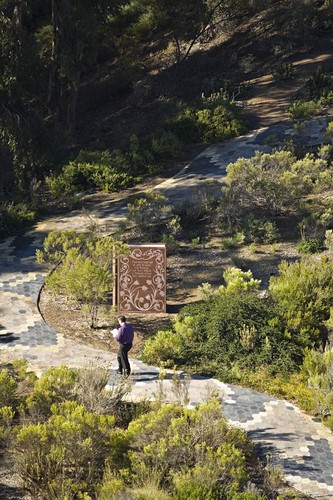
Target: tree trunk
(72, 104)
(55, 94)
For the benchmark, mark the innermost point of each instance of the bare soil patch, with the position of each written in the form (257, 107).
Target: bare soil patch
(10, 484)
(267, 102)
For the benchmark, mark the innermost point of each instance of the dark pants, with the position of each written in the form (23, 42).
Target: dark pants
(123, 362)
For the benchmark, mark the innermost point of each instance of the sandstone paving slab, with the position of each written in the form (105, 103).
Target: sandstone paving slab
(64, 352)
(301, 446)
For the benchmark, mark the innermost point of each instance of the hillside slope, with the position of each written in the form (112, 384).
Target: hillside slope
(245, 57)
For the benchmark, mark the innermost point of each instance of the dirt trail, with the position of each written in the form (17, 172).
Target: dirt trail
(267, 102)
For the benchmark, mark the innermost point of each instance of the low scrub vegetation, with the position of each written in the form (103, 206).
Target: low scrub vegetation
(236, 332)
(84, 270)
(208, 120)
(241, 336)
(71, 438)
(240, 333)
(15, 216)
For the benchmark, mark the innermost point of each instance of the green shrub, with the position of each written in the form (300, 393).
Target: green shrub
(54, 386)
(104, 170)
(325, 152)
(185, 126)
(58, 243)
(14, 216)
(329, 422)
(218, 473)
(328, 242)
(317, 367)
(110, 486)
(284, 72)
(228, 242)
(173, 225)
(194, 243)
(253, 248)
(163, 348)
(219, 124)
(210, 119)
(264, 184)
(149, 212)
(301, 111)
(109, 181)
(72, 448)
(85, 275)
(329, 130)
(70, 180)
(80, 177)
(172, 245)
(165, 143)
(320, 85)
(144, 25)
(326, 98)
(206, 291)
(272, 140)
(238, 281)
(193, 449)
(234, 330)
(15, 383)
(239, 238)
(6, 420)
(8, 387)
(233, 241)
(304, 293)
(309, 246)
(261, 230)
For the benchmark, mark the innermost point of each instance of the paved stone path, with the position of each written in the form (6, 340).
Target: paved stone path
(302, 447)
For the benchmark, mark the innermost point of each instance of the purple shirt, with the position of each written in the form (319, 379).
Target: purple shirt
(125, 334)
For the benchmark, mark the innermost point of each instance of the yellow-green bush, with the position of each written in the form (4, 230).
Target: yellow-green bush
(292, 387)
(189, 450)
(54, 386)
(164, 348)
(65, 455)
(8, 386)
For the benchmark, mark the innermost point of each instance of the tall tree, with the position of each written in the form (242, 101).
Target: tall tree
(18, 84)
(76, 32)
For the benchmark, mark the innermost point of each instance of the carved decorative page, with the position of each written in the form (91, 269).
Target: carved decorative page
(142, 279)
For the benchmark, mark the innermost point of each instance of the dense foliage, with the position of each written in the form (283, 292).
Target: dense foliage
(74, 439)
(85, 274)
(276, 341)
(304, 291)
(225, 335)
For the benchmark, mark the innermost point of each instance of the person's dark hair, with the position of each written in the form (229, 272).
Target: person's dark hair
(122, 319)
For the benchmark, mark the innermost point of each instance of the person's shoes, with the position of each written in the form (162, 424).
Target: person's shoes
(120, 372)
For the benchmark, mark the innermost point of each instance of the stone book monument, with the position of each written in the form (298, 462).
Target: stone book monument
(142, 279)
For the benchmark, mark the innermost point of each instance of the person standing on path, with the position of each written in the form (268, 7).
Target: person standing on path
(125, 338)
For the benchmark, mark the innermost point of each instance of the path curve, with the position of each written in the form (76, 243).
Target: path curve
(297, 443)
